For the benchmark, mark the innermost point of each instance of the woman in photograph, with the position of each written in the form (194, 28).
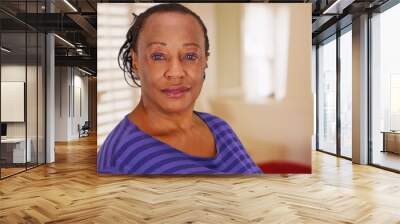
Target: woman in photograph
(165, 54)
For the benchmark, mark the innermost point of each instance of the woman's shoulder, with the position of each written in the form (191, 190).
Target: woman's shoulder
(210, 117)
(117, 147)
(119, 133)
(213, 121)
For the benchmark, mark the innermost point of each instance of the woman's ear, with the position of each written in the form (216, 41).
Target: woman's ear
(207, 54)
(135, 64)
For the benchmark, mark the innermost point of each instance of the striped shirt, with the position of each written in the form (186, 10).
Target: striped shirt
(129, 150)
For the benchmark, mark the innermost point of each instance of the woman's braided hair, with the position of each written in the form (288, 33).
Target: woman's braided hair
(125, 53)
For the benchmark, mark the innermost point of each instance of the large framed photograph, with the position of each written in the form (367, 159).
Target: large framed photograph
(221, 88)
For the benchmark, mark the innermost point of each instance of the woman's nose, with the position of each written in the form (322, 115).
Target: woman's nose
(175, 69)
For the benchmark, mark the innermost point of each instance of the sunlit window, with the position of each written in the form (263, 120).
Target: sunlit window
(327, 96)
(395, 102)
(385, 88)
(264, 47)
(346, 94)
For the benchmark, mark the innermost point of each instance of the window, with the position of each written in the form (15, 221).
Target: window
(346, 94)
(327, 96)
(334, 138)
(385, 88)
(265, 50)
(22, 73)
(395, 101)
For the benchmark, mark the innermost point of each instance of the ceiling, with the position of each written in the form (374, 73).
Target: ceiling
(332, 15)
(75, 22)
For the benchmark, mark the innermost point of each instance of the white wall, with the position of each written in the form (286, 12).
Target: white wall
(80, 84)
(61, 103)
(17, 73)
(33, 127)
(14, 73)
(68, 81)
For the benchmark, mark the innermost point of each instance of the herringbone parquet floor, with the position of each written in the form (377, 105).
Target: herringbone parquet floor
(70, 191)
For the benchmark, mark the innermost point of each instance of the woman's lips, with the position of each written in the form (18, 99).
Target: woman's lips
(176, 92)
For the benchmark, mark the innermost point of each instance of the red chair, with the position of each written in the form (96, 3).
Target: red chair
(284, 167)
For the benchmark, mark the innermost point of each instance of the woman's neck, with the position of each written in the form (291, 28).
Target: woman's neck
(157, 120)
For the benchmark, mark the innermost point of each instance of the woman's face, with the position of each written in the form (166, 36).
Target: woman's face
(170, 61)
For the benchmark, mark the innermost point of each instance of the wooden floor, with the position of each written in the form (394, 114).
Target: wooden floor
(5, 172)
(70, 191)
(387, 159)
(10, 171)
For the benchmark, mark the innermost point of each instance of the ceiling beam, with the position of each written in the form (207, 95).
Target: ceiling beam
(85, 25)
(82, 61)
(337, 7)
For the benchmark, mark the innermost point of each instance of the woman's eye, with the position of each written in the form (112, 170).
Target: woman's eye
(157, 56)
(191, 56)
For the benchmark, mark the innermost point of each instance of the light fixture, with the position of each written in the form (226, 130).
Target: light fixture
(70, 5)
(65, 41)
(80, 51)
(84, 71)
(5, 50)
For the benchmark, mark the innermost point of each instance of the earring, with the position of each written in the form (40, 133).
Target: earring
(134, 72)
(204, 76)
(136, 76)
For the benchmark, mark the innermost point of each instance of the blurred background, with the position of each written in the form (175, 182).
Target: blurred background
(259, 75)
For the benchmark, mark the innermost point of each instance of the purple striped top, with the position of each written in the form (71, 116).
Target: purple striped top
(129, 150)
